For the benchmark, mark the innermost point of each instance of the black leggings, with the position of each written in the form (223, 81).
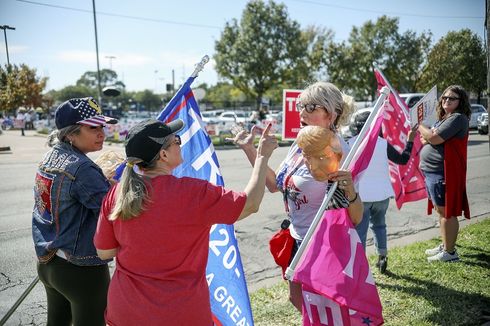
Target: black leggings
(76, 294)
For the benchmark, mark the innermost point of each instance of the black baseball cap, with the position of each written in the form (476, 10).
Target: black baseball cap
(145, 139)
(83, 111)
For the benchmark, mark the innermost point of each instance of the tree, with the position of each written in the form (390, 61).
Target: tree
(107, 78)
(400, 56)
(261, 51)
(224, 94)
(19, 86)
(148, 99)
(74, 91)
(458, 58)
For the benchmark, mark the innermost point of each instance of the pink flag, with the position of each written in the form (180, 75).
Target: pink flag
(364, 153)
(338, 287)
(407, 180)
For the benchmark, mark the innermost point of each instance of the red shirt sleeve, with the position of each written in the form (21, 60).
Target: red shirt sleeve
(104, 237)
(220, 205)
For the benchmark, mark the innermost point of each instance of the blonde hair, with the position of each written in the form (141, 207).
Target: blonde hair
(61, 135)
(326, 94)
(133, 193)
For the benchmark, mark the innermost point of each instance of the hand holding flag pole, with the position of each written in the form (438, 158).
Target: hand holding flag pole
(384, 92)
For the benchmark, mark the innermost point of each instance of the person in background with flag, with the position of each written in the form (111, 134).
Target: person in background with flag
(443, 160)
(321, 104)
(375, 189)
(158, 226)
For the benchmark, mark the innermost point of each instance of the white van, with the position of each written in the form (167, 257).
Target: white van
(411, 98)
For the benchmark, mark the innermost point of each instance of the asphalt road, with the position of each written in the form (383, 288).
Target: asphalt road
(17, 257)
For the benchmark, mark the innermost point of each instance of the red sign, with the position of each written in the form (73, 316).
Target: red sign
(290, 123)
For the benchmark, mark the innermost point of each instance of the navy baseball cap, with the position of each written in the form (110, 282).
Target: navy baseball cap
(145, 139)
(83, 111)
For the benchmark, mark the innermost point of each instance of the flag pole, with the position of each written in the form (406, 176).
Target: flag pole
(319, 214)
(392, 90)
(195, 73)
(200, 66)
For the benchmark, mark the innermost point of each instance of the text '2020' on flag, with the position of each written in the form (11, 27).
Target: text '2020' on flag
(228, 292)
(337, 285)
(407, 180)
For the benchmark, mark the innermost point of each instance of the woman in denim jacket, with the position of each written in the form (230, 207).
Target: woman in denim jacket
(68, 191)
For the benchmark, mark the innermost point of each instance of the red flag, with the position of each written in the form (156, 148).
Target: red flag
(407, 180)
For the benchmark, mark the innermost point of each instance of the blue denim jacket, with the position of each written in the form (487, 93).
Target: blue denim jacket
(68, 193)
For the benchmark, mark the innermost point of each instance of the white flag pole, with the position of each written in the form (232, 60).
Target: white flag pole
(392, 90)
(319, 214)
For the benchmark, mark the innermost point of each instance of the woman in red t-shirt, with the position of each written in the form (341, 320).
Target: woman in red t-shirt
(157, 226)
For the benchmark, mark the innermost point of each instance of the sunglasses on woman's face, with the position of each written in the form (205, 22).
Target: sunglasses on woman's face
(308, 107)
(449, 98)
(177, 140)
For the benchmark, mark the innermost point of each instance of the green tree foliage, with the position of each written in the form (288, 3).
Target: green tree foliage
(73, 91)
(20, 86)
(261, 51)
(224, 95)
(150, 100)
(458, 58)
(400, 56)
(107, 78)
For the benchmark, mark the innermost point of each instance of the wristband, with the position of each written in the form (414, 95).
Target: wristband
(353, 200)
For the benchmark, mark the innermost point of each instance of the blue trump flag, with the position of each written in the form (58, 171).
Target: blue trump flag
(228, 292)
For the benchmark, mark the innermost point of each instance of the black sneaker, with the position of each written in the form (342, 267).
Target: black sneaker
(382, 264)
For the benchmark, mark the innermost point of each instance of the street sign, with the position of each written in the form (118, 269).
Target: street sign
(290, 125)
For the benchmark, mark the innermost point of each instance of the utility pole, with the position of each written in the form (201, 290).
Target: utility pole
(97, 54)
(5, 27)
(173, 77)
(487, 26)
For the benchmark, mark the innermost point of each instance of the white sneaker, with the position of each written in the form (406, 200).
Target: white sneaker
(435, 251)
(444, 256)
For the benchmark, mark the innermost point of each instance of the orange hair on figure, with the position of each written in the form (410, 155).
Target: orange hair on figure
(321, 150)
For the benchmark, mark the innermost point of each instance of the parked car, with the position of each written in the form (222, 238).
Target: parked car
(482, 124)
(476, 111)
(211, 116)
(234, 116)
(351, 129)
(411, 98)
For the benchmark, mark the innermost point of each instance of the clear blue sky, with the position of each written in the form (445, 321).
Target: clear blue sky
(149, 38)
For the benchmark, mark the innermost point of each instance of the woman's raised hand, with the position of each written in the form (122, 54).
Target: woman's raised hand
(267, 142)
(242, 138)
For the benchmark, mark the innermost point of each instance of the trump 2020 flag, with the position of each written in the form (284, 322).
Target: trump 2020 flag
(228, 292)
(407, 180)
(337, 284)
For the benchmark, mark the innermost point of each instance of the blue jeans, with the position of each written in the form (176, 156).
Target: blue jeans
(436, 187)
(374, 216)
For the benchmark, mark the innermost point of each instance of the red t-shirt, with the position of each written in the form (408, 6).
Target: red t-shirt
(162, 254)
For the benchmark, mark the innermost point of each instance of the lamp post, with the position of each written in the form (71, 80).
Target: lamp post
(97, 53)
(5, 27)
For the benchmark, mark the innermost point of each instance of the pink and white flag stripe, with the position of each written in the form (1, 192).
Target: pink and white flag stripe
(407, 180)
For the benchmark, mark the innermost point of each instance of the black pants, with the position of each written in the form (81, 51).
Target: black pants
(76, 294)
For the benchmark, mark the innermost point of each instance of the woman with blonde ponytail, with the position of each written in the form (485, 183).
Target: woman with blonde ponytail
(157, 226)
